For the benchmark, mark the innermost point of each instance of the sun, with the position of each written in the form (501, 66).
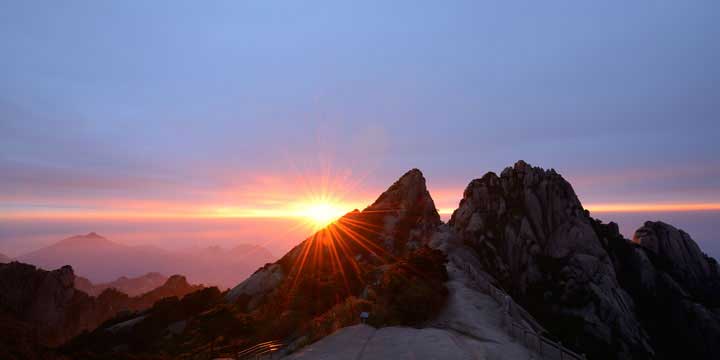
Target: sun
(321, 214)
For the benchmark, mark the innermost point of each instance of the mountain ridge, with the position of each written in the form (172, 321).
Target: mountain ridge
(131, 286)
(102, 260)
(525, 231)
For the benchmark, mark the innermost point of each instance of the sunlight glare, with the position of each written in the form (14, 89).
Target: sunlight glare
(322, 214)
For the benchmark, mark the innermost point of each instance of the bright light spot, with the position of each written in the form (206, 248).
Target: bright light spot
(322, 214)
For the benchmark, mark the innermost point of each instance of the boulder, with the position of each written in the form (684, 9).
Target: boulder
(686, 263)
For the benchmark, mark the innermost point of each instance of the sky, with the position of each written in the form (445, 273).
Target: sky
(171, 112)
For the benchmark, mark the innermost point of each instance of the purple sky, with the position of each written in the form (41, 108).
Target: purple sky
(168, 106)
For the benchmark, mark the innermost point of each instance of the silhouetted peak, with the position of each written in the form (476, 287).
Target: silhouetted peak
(87, 239)
(176, 280)
(413, 173)
(408, 193)
(690, 265)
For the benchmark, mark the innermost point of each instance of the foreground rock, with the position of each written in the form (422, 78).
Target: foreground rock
(363, 342)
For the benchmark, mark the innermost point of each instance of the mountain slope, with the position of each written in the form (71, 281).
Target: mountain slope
(402, 219)
(374, 260)
(102, 260)
(47, 304)
(96, 257)
(4, 259)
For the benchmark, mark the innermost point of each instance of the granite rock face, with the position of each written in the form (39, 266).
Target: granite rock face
(534, 237)
(697, 272)
(674, 286)
(42, 298)
(257, 285)
(601, 294)
(408, 213)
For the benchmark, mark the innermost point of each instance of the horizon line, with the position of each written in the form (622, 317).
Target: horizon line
(222, 213)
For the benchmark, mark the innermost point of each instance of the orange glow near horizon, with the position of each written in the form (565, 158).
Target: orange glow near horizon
(314, 211)
(314, 200)
(653, 207)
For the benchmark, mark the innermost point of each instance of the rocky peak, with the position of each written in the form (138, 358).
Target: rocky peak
(405, 214)
(408, 194)
(176, 281)
(540, 198)
(66, 276)
(533, 236)
(674, 244)
(401, 220)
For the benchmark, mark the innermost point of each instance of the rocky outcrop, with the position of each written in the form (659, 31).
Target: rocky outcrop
(47, 302)
(131, 286)
(697, 272)
(408, 213)
(44, 299)
(175, 286)
(676, 304)
(534, 237)
(261, 282)
(599, 293)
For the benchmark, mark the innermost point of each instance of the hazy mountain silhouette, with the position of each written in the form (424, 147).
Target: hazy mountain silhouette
(131, 286)
(101, 260)
(4, 258)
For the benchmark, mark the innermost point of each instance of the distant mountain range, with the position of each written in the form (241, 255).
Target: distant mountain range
(131, 286)
(101, 260)
(4, 259)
